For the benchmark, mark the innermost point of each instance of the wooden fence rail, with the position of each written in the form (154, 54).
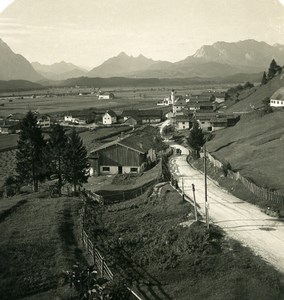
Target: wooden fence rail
(94, 254)
(262, 193)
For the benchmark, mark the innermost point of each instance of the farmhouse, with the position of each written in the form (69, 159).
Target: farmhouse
(195, 105)
(129, 155)
(80, 117)
(277, 99)
(43, 121)
(145, 116)
(179, 105)
(109, 117)
(133, 121)
(183, 122)
(9, 126)
(105, 95)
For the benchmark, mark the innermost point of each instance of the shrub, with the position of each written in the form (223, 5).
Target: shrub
(226, 167)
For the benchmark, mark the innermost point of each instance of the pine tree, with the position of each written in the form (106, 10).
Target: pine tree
(75, 161)
(264, 79)
(56, 151)
(29, 155)
(273, 70)
(196, 138)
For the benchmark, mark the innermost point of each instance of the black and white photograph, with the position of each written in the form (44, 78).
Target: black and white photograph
(142, 149)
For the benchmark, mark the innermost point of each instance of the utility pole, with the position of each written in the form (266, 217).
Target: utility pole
(205, 181)
(182, 182)
(195, 209)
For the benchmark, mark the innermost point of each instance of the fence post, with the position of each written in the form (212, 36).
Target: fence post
(102, 268)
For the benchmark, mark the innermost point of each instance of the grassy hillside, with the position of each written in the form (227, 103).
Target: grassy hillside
(143, 241)
(37, 243)
(255, 147)
(253, 97)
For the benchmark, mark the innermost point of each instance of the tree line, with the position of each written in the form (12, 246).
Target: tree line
(62, 156)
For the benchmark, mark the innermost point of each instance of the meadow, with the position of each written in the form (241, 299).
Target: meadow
(125, 98)
(38, 242)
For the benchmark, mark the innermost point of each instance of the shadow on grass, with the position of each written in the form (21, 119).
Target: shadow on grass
(8, 212)
(66, 232)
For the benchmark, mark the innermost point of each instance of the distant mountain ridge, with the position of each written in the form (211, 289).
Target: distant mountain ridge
(59, 71)
(14, 66)
(122, 65)
(219, 59)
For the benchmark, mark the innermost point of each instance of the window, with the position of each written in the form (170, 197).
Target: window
(134, 170)
(183, 122)
(106, 169)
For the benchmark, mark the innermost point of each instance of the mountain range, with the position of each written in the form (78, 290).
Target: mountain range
(220, 59)
(59, 71)
(15, 66)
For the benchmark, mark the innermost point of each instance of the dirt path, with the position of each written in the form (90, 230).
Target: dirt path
(241, 220)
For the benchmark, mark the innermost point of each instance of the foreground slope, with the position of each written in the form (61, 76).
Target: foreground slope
(37, 243)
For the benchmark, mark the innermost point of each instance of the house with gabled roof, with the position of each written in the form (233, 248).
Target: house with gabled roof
(131, 154)
(109, 117)
(183, 122)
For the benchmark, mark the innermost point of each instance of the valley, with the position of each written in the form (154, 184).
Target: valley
(141, 150)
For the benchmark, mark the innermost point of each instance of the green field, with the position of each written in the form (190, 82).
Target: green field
(38, 242)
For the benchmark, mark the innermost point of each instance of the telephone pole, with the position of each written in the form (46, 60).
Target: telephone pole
(205, 181)
(195, 209)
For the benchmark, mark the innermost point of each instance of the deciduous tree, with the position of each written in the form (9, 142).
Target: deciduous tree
(196, 138)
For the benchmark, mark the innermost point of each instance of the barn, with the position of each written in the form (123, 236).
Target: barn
(128, 155)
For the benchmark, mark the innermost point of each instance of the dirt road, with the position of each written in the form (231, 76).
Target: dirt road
(241, 220)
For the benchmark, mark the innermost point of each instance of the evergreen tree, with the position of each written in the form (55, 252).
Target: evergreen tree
(29, 155)
(264, 79)
(76, 161)
(196, 138)
(56, 151)
(273, 70)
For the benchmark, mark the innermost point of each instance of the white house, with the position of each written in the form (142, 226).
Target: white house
(68, 119)
(183, 122)
(109, 117)
(43, 121)
(105, 96)
(277, 99)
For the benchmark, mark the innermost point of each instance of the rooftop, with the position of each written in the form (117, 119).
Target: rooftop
(279, 94)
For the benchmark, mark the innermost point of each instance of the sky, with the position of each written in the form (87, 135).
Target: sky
(87, 32)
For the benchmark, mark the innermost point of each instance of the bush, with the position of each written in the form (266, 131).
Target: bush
(226, 167)
(12, 185)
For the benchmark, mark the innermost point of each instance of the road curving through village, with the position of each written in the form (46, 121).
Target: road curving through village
(241, 220)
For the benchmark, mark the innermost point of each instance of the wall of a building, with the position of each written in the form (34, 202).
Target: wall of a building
(277, 103)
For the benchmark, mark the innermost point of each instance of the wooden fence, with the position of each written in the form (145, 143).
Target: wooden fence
(262, 193)
(94, 254)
